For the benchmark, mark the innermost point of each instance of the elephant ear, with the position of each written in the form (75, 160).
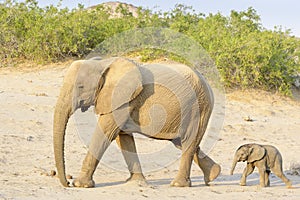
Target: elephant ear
(256, 152)
(121, 83)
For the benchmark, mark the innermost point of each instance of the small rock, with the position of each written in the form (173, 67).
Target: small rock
(69, 176)
(39, 123)
(29, 138)
(248, 119)
(52, 173)
(44, 174)
(41, 94)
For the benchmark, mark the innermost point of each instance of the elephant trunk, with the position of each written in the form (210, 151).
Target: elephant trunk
(61, 116)
(233, 165)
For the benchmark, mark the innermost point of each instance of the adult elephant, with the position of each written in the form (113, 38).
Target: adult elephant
(160, 101)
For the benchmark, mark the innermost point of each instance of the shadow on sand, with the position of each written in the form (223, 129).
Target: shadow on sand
(222, 180)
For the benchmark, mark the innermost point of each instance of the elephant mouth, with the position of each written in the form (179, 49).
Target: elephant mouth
(83, 107)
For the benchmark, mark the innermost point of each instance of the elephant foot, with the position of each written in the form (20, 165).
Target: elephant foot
(212, 174)
(181, 182)
(211, 170)
(262, 185)
(84, 182)
(137, 179)
(242, 183)
(136, 176)
(289, 185)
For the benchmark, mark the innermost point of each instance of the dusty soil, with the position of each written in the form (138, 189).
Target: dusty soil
(27, 100)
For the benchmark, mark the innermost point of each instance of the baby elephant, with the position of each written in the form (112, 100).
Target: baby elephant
(265, 157)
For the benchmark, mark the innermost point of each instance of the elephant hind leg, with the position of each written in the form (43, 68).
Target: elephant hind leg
(211, 170)
(183, 177)
(267, 179)
(127, 145)
(277, 170)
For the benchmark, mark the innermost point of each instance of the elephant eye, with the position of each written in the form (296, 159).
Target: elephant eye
(80, 86)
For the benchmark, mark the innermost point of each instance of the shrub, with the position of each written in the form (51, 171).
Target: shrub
(245, 53)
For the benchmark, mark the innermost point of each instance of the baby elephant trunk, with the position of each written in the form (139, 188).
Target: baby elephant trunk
(233, 165)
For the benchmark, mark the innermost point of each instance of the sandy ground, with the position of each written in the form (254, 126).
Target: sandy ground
(27, 99)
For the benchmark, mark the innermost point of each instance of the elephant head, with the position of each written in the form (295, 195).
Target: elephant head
(249, 153)
(108, 84)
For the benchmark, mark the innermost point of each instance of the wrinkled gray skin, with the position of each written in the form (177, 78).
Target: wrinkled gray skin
(265, 157)
(170, 103)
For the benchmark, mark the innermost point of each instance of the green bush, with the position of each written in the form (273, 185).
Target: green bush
(245, 53)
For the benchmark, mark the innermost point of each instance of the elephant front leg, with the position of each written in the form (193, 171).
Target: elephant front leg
(106, 131)
(85, 178)
(127, 145)
(262, 177)
(247, 171)
(211, 170)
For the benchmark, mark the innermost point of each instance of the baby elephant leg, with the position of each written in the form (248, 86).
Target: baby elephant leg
(277, 170)
(247, 171)
(267, 180)
(262, 176)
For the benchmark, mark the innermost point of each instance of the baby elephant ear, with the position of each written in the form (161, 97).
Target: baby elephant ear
(256, 152)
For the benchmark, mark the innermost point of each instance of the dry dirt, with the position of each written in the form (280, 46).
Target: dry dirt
(27, 100)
